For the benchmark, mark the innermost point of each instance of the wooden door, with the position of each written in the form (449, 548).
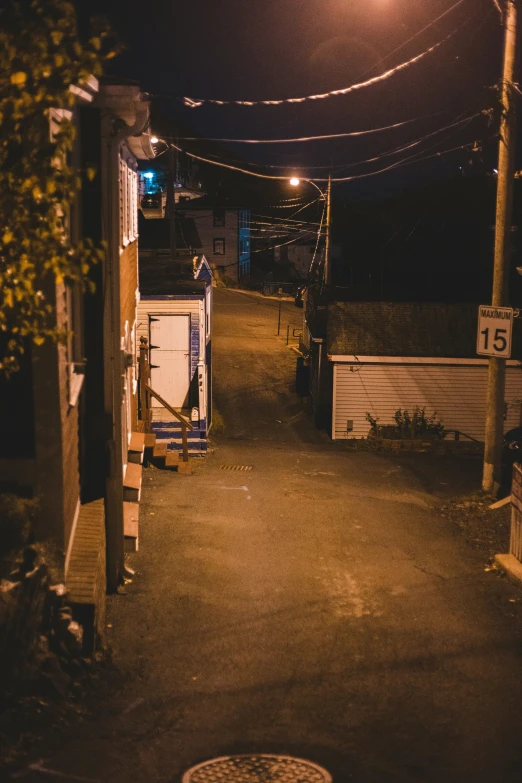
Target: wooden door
(170, 358)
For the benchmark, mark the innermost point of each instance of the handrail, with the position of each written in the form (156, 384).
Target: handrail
(458, 433)
(165, 404)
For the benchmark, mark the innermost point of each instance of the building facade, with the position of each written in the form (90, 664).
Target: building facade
(224, 239)
(72, 406)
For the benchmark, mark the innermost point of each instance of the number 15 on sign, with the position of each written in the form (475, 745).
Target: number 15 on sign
(495, 327)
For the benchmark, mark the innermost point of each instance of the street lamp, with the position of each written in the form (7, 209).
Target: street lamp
(327, 198)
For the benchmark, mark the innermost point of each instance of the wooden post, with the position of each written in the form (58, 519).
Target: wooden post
(505, 180)
(144, 380)
(185, 442)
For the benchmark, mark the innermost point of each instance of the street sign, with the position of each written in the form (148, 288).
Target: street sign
(495, 327)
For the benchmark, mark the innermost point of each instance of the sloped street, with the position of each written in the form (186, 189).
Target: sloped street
(314, 603)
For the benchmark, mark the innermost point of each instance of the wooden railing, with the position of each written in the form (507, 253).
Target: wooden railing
(146, 391)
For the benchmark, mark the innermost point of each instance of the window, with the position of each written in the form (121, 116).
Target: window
(219, 247)
(219, 218)
(128, 202)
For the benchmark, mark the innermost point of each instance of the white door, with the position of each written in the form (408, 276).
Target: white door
(170, 358)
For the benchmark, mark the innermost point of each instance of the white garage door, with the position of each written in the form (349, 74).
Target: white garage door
(456, 393)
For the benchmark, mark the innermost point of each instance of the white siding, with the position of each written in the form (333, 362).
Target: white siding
(456, 393)
(162, 307)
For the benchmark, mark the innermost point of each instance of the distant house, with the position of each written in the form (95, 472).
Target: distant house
(225, 238)
(294, 260)
(377, 357)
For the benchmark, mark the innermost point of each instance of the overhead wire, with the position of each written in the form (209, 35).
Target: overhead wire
(322, 137)
(197, 102)
(410, 145)
(315, 179)
(394, 150)
(282, 244)
(416, 35)
(319, 234)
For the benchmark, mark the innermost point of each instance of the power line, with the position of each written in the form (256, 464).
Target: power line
(310, 138)
(408, 146)
(394, 150)
(292, 241)
(286, 220)
(196, 103)
(400, 164)
(315, 179)
(426, 27)
(319, 234)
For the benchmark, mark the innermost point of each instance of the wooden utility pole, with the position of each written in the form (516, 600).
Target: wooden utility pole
(171, 198)
(506, 172)
(327, 264)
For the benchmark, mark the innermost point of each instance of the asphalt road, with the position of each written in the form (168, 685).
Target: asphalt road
(316, 605)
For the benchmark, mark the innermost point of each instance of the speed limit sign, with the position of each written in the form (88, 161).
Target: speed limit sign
(495, 326)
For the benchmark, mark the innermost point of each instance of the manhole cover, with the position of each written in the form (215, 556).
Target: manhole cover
(259, 768)
(235, 467)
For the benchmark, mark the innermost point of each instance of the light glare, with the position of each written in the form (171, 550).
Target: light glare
(295, 182)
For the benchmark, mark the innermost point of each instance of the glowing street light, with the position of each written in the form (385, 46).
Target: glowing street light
(154, 140)
(295, 182)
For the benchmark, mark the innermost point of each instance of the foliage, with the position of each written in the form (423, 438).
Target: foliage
(41, 56)
(16, 517)
(408, 427)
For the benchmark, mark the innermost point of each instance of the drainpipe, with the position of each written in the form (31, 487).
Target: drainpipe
(113, 357)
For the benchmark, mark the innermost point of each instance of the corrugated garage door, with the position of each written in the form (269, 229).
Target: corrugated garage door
(456, 393)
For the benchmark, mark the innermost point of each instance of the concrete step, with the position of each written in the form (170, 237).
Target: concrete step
(160, 450)
(137, 441)
(136, 448)
(132, 483)
(172, 458)
(150, 440)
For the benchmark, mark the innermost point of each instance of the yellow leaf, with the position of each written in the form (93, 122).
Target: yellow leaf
(19, 78)
(91, 173)
(8, 237)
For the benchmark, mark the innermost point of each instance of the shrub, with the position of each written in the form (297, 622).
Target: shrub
(408, 426)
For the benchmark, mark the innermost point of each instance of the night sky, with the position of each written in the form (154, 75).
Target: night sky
(263, 49)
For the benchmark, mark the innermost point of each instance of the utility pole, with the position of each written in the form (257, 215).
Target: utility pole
(506, 173)
(327, 264)
(171, 198)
